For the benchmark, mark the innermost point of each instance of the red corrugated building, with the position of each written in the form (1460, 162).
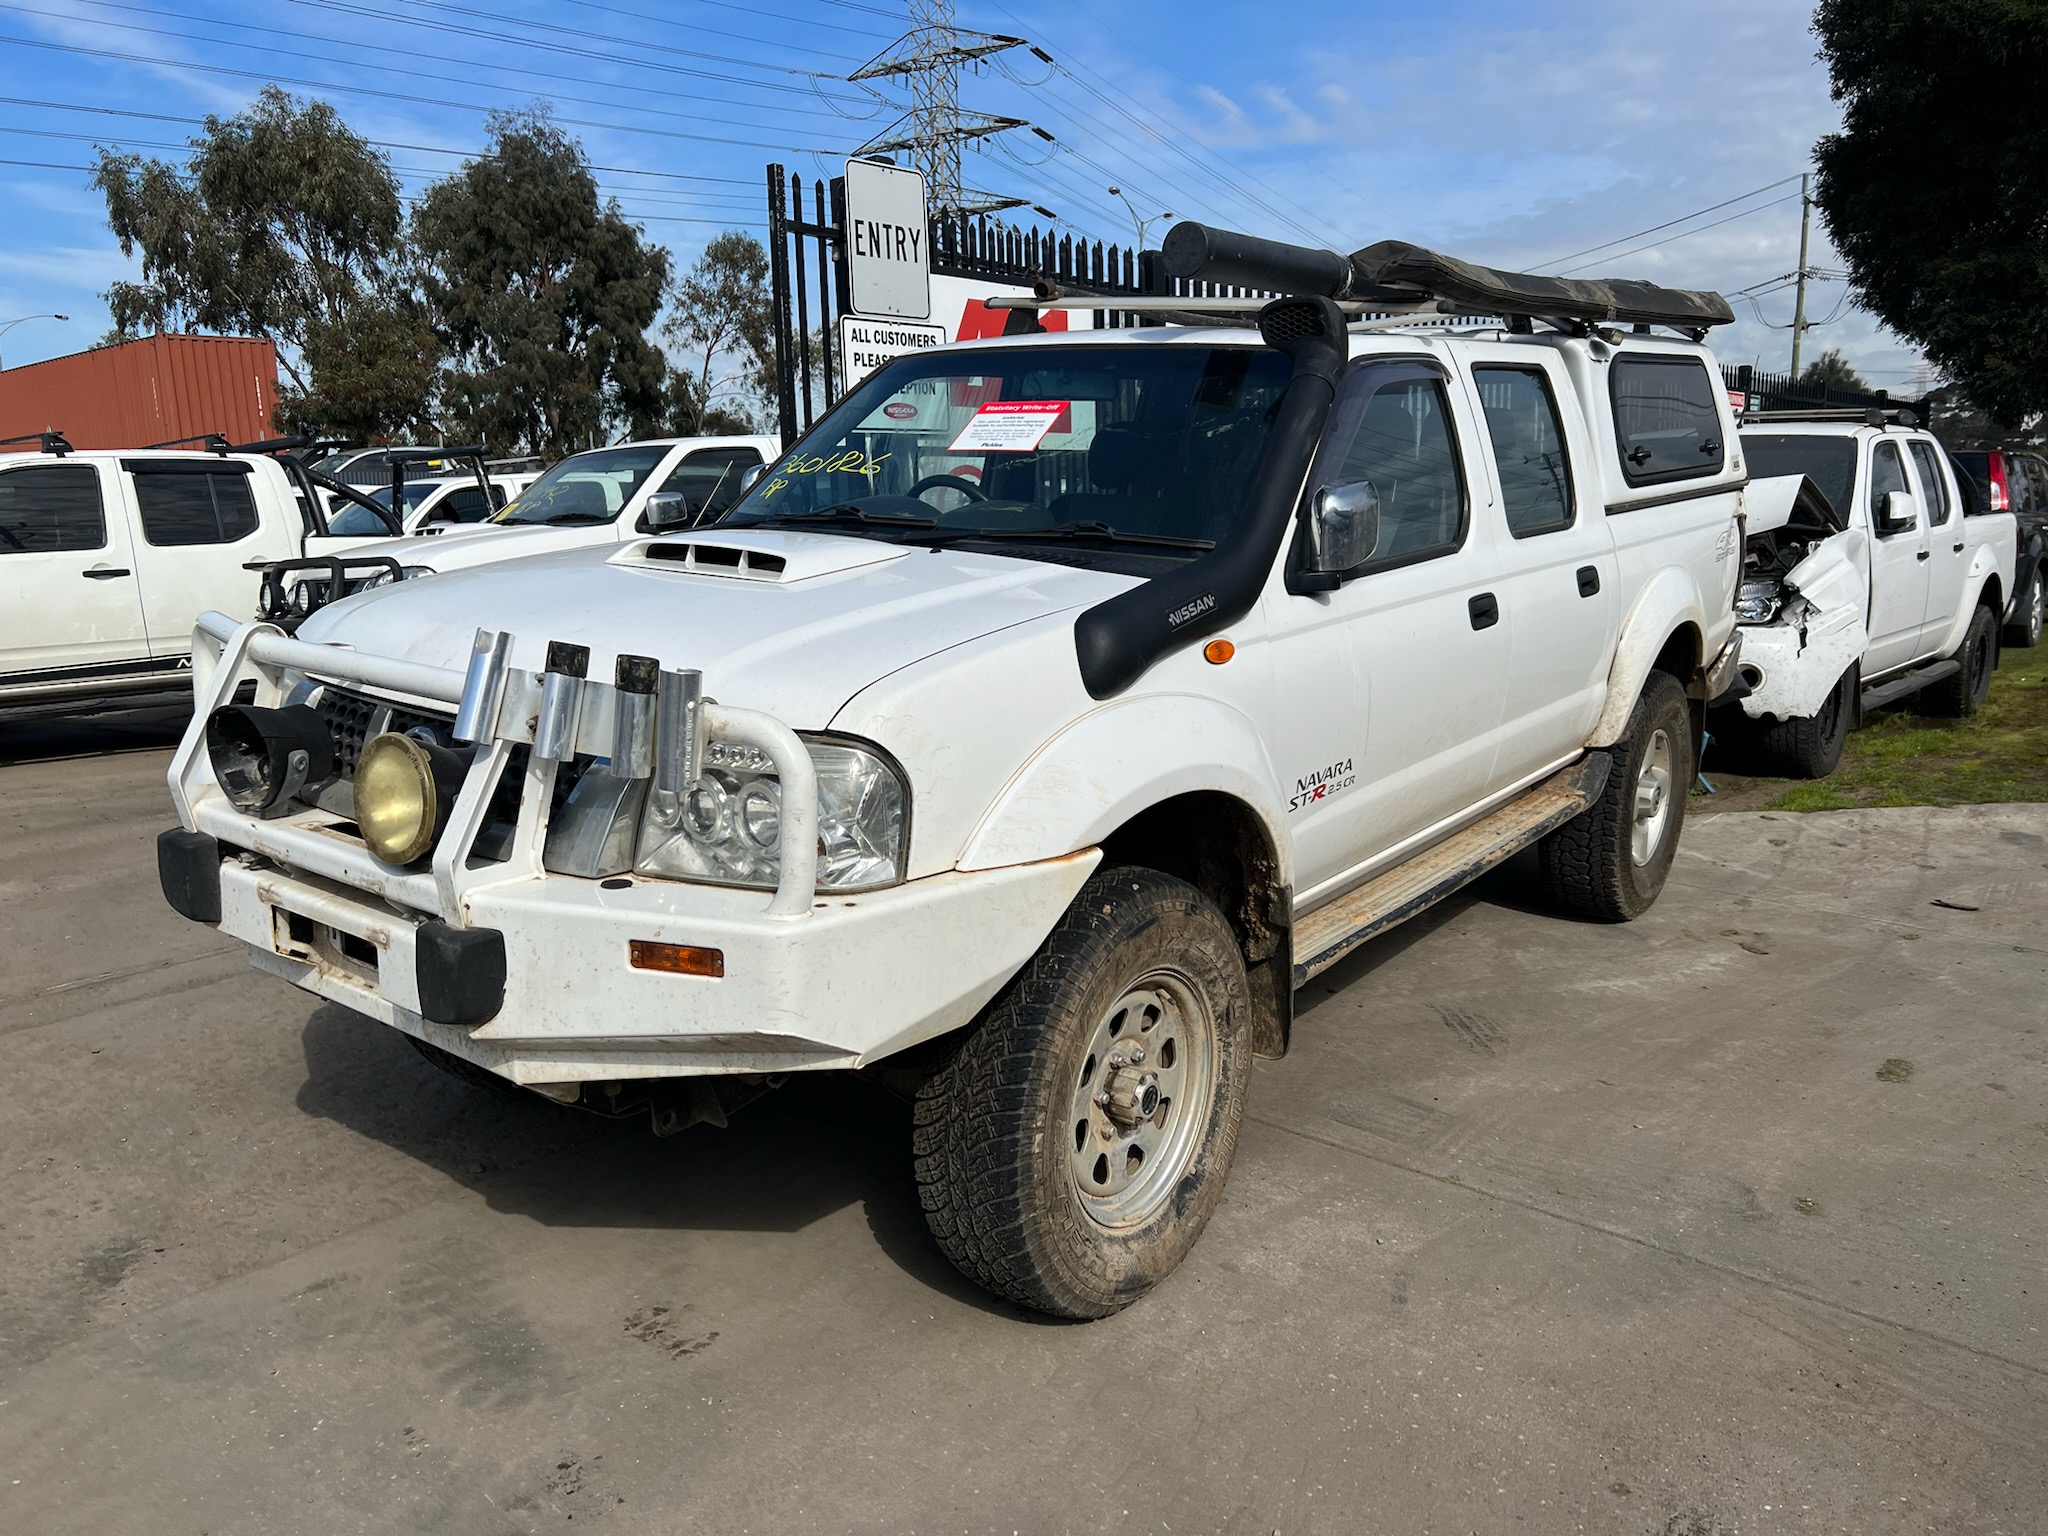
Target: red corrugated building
(146, 391)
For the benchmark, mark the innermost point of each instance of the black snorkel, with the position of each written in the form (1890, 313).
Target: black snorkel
(1116, 641)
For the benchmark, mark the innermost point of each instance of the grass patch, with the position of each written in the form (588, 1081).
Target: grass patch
(1898, 758)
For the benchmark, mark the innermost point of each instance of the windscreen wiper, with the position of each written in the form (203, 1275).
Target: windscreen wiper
(847, 512)
(1081, 532)
(570, 519)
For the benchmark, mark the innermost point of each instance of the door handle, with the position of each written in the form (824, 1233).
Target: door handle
(1589, 580)
(1485, 610)
(1957, 548)
(103, 573)
(1924, 555)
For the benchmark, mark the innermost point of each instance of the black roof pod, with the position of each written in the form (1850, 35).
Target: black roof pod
(1395, 272)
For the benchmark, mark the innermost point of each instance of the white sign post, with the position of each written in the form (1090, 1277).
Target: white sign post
(865, 344)
(888, 242)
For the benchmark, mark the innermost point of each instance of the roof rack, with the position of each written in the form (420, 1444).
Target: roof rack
(1393, 273)
(211, 442)
(51, 442)
(1864, 415)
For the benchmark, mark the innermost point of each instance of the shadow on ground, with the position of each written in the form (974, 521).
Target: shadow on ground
(819, 1144)
(56, 737)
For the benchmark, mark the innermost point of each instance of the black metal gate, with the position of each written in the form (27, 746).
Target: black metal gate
(807, 270)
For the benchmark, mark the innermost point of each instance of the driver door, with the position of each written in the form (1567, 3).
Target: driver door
(1898, 567)
(1388, 691)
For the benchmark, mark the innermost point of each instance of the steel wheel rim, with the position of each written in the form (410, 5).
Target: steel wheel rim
(1154, 1046)
(1653, 796)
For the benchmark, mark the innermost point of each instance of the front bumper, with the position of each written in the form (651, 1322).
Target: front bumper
(841, 982)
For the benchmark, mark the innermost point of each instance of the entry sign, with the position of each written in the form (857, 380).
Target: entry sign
(888, 241)
(865, 344)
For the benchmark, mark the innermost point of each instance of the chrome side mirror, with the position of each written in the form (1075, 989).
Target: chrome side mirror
(752, 477)
(1343, 527)
(1899, 514)
(666, 510)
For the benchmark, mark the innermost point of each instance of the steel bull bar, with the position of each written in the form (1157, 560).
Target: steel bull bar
(651, 722)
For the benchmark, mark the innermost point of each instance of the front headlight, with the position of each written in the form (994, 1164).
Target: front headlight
(1758, 600)
(727, 828)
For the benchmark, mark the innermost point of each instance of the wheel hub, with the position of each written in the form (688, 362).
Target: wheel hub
(1141, 1099)
(1654, 788)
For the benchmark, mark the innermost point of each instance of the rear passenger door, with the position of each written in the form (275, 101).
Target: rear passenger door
(68, 594)
(198, 525)
(1898, 565)
(1386, 697)
(1557, 567)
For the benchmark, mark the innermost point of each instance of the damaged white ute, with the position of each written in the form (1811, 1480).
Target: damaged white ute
(1024, 737)
(1868, 575)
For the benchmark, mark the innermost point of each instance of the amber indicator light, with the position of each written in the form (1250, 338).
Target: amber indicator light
(1218, 651)
(676, 959)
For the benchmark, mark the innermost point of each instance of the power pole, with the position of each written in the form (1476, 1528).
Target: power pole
(1799, 303)
(928, 59)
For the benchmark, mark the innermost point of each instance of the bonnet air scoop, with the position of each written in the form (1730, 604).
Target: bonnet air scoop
(760, 556)
(1396, 273)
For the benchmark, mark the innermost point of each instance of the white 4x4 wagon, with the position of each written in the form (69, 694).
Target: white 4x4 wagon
(1028, 733)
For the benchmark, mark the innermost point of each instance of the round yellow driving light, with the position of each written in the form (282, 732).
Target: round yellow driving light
(395, 801)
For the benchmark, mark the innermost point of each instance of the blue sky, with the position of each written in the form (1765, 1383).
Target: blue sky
(1512, 133)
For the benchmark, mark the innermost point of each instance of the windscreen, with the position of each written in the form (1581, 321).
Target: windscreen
(1146, 447)
(587, 488)
(1828, 460)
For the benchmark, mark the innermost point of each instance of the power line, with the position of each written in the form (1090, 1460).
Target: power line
(349, 7)
(1229, 176)
(363, 90)
(669, 21)
(1685, 235)
(1684, 218)
(300, 38)
(425, 149)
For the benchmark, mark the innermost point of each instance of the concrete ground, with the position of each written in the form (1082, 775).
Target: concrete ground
(1731, 1220)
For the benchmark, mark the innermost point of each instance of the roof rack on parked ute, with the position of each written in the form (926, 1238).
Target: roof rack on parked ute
(46, 442)
(1393, 273)
(1902, 415)
(1392, 279)
(212, 442)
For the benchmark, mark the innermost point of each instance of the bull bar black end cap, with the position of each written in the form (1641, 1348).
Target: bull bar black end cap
(460, 971)
(188, 865)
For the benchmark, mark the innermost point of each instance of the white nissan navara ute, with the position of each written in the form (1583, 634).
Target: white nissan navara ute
(1027, 734)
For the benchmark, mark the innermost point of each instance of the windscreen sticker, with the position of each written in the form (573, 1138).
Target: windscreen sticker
(1012, 426)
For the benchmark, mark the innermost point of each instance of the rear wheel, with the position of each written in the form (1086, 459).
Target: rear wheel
(1609, 862)
(1073, 1145)
(2024, 632)
(1811, 748)
(1957, 697)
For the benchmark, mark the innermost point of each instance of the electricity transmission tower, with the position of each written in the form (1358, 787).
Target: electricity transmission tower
(928, 59)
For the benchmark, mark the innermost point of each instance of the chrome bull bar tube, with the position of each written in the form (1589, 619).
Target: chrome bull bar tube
(505, 706)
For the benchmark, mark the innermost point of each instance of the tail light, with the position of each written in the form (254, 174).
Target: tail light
(1995, 472)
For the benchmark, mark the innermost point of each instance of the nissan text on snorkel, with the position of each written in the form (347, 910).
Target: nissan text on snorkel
(1024, 737)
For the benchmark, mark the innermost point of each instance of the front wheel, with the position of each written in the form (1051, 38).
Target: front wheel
(1811, 748)
(1072, 1147)
(1609, 861)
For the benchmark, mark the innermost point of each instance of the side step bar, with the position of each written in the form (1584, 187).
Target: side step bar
(1895, 690)
(1332, 931)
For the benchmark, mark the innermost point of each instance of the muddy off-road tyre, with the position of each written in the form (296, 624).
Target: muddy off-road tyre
(1072, 1146)
(1609, 861)
(1957, 697)
(1811, 748)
